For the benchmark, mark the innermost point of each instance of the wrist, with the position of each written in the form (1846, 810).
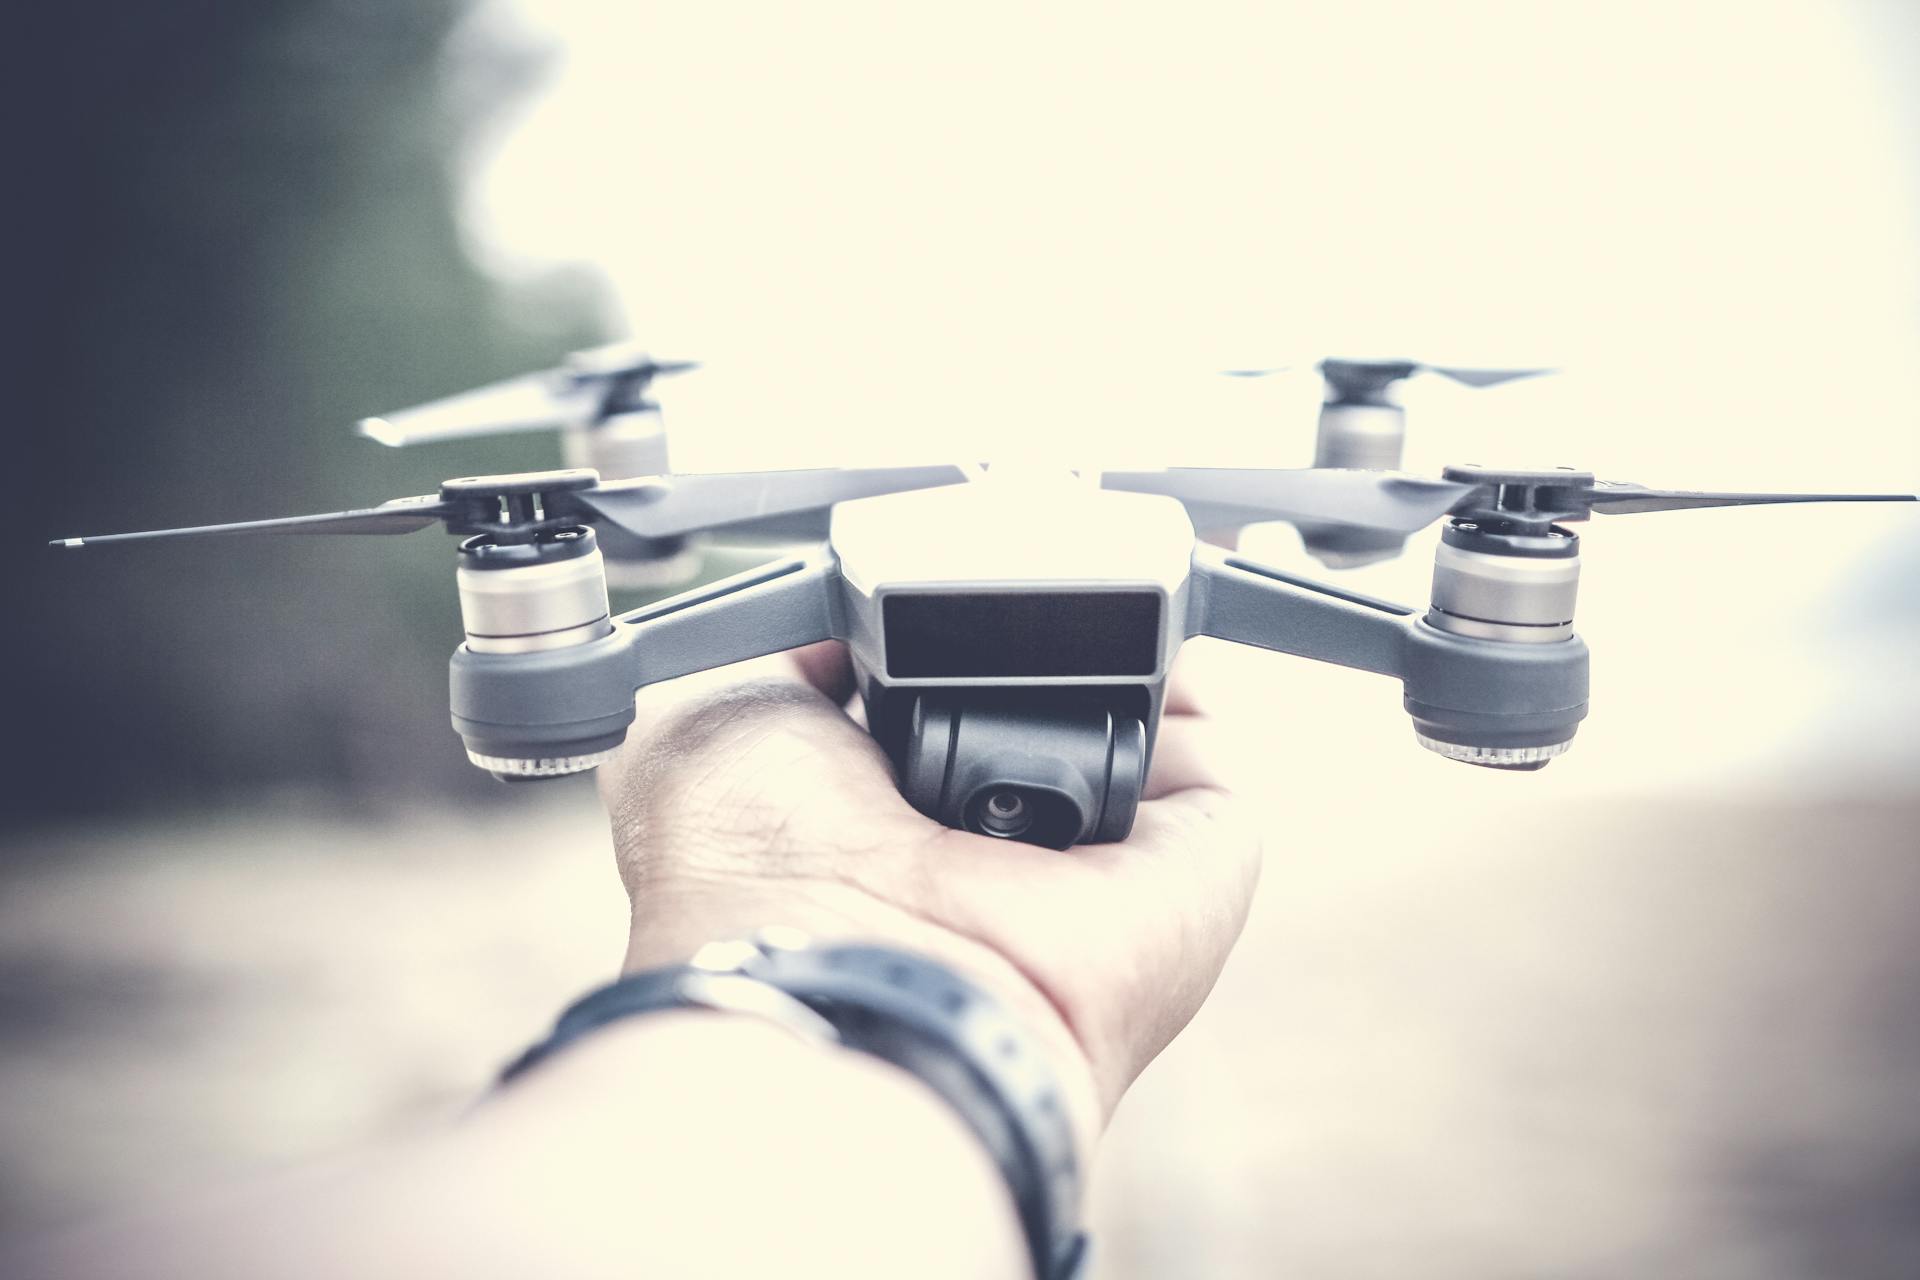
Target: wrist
(670, 924)
(776, 1153)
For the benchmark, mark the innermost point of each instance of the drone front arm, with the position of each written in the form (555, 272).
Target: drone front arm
(1502, 703)
(560, 710)
(778, 606)
(1233, 598)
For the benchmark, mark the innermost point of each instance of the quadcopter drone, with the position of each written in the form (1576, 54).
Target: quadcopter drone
(1011, 633)
(598, 402)
(1364, 425)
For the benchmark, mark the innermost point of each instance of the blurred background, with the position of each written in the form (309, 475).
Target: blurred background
(1655, 1009)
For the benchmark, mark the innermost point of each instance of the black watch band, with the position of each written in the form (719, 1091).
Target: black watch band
(901, 1007)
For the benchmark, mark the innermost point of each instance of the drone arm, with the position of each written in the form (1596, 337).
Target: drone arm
(1483, 701)
(1237, 599)
(778, 606)
(575, 702)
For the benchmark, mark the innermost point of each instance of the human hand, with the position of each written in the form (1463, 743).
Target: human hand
(748, 797)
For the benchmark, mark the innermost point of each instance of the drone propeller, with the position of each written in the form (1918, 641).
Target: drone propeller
(589, 386)
(669, 506)
(1223, 497)
(1370, 377)
(1366, 381)
(1532, 500)
(519, 507)
(1482, 377)
(1617, 498)
(401, 515)
(1396, 503)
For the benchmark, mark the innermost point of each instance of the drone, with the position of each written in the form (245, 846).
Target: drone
(598, 401)
(1364, 425)
(1011, 632)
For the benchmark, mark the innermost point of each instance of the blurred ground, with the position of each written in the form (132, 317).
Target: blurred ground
(1475, 1028)
(1673, 1039)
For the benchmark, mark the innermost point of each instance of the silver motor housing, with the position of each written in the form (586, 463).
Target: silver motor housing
(1490, 584)
(529, 597)
(1505, 586)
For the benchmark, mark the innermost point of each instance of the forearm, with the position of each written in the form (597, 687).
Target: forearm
(690, 1144)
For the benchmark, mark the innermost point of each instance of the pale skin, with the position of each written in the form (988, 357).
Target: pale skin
(708, 1144)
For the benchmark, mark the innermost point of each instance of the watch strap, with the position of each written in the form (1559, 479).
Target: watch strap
(906, 1009)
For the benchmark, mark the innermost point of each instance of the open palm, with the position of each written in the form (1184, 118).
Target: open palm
(750, 797)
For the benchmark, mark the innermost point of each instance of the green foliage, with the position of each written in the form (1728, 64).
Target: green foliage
(248, 241)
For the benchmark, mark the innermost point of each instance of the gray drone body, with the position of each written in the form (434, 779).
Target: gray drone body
(1014, 676)
(1011, 634)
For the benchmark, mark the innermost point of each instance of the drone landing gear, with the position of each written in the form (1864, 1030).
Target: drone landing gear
(1047, 767)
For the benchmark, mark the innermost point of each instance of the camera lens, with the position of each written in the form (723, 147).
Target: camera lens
(1005, 813)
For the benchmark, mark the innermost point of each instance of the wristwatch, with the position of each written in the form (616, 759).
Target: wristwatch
(899, 1006)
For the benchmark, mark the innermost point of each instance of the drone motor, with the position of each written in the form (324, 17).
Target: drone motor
(543, 593)
(633, 443)
(1368, 433)
(520, 597)
(1499, 585)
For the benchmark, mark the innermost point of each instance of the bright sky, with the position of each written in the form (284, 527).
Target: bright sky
(902, 231)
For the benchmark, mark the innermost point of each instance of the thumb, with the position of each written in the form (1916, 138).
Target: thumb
(746, 768)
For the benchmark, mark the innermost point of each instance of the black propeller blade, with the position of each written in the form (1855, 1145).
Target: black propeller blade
(1535, 499)
(402, 515)
(1393, 502)
(519, 506)
(1616, 498)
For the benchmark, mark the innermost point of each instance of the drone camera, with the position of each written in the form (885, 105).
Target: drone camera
(1008, 813)
(1052, 771)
